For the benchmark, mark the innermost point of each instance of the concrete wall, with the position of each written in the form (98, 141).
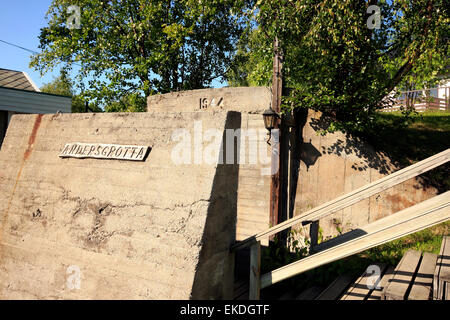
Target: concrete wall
(342, 164)
(134, 230)
(243, 99)
(254, 183)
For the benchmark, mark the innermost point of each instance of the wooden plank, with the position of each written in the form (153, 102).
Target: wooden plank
(287, 296)
(313, 235)
(421, 289)
(403, 276)
(436, 286)
(442, 261)
(336, 288)
(447, 292)
(363, 287)
(353, 197)
(255, 271)
(415, 218)
(376, 293)
(242, 296)
(444, 273)
(436, 283)
(442, 285)
(310, 293)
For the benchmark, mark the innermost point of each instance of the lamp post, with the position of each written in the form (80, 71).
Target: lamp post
(270, 120)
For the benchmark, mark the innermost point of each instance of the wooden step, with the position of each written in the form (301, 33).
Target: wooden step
(421, 288)
(362, 288)
(310, 293)
(240, 290)
(441, 286)
(288, 296)
(387, 276)
(398, 287)
(336, 288)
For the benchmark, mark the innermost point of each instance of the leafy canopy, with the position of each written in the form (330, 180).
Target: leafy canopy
(335, 63)
(140, 47)
(64, 86)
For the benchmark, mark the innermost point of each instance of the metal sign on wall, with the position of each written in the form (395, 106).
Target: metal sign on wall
(104, 151)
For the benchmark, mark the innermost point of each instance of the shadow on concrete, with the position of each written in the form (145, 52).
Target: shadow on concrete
(392, 145)
(361, 149)
(353, 145)
(214, 275)
(309, 154)
(298, 151)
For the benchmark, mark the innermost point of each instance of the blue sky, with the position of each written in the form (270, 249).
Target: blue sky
(20, 24)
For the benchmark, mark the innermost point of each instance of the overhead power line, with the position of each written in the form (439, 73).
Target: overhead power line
(17, 46)
(29, 50)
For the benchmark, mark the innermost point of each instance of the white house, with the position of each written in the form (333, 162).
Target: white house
(18, 94)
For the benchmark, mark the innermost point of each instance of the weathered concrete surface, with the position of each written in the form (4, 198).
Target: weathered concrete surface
(343, 164)
(135, 230)
(328, 166)
(254, 180)
(243, 99)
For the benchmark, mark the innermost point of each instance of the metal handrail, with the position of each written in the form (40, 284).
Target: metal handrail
(351, 197)
(257, 282)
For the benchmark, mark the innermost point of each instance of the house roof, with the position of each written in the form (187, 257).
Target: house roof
(16, 80)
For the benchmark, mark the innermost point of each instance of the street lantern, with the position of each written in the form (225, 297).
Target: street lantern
(270, 119)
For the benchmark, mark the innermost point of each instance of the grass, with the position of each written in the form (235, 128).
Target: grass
(410, 140)
(428, 240)
(406, 141)
(437, 121)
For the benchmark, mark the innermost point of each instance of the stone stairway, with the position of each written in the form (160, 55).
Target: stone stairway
(418, 276)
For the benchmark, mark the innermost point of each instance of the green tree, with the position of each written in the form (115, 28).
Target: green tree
(64, 86)
(336, 62)
(251, 65)
(128, 103)
(141, 47)
(61, 85)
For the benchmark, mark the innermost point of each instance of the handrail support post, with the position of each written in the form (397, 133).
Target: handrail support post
(255, 271)
(313, 235)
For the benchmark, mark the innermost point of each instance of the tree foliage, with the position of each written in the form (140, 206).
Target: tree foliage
(141, 47)
(64, 86)
(61, 85)
(132, 102)
(335, 63)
